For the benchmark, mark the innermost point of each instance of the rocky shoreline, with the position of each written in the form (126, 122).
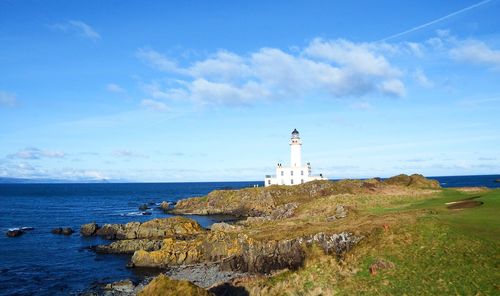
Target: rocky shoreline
(276, 235)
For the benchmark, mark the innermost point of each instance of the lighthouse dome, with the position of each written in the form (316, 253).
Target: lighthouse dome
(295, 133)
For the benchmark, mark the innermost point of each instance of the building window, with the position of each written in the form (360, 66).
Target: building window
(268, 182)
(302, 173)
(291, 181)
(282, 173)
(302, 181)
(291, 173)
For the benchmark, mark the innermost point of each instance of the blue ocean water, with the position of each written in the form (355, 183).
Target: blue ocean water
(41, 263)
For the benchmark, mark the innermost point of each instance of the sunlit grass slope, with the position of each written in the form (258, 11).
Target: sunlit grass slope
(434, 250)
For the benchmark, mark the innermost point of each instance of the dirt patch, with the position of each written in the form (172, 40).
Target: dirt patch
(463, 204)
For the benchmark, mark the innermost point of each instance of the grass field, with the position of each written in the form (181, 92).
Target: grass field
(433, 250)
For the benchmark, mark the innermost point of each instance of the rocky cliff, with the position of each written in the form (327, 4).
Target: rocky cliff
(261, 201)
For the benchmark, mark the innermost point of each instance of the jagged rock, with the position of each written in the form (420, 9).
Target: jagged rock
(57, 230)
(153, 229)
(129, 246)
(89, 229)
(238, 252)
(225, 227)
(204, 275)
(284, 211)
(143, 207)
(265, 201)
(162, 285)
(67, 231)
(14, 232)
(340, 212)
(60, 230)
(209, 247)
(121, 287)
(165, 205)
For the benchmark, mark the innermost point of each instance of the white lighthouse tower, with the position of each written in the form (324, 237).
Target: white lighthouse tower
(296, 173)
(295, 150)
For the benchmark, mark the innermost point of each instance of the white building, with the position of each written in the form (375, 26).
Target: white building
(296, 173)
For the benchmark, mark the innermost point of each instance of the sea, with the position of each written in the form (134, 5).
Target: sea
(41, 263)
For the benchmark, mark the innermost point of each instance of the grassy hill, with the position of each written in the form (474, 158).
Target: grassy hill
(427, 248)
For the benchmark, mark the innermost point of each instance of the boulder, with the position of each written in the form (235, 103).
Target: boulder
(129, 246)
(60, 230)
(153, 229)
(67, 231)
(144, 207)
(284, 211)
(57, 230)
(14, 232)
(165, 205)
(121, 287)
(163, 285)
(225, 227)
(89, 229)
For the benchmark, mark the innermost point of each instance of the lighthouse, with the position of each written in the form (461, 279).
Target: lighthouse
(295, 149)
(295, 173)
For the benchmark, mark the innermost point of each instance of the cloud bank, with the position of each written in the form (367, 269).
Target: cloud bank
(333, 68)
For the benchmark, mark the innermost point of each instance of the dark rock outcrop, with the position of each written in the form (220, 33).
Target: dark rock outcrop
(89, 229)
(147, 236)
(279, 200)
(241, 253)
(275, 255)
(162, 285)
(153, 229)
(144, 207)
(165, 205)
(14, 232)
(60, 230)
(129, 246)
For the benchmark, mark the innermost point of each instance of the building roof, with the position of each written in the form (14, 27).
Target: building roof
(295, 132)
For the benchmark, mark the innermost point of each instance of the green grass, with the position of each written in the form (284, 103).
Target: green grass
(439, 252)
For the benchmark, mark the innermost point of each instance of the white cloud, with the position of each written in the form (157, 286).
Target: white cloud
(115, 88)
(7, 99)
(360, 58)
(156, 60)
(422, 79)
(415, 48)
(335, 68)
(223, 65)
(127, 153)
(155, 105)
(78, 27)
(36, 153)
(393, 87)
(476, 52)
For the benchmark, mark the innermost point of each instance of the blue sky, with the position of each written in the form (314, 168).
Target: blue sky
(210, 90)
